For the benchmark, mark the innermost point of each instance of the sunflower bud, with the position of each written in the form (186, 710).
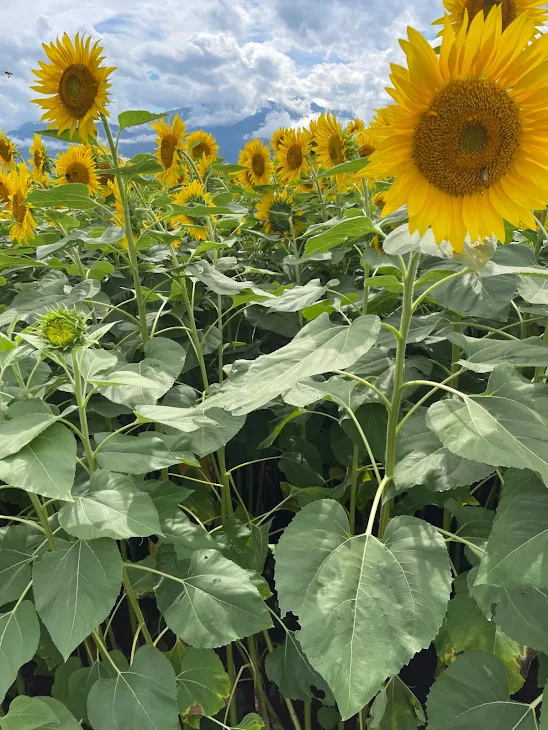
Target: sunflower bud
(62, 328)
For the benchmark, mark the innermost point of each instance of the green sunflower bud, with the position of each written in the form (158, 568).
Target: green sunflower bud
(62, 328)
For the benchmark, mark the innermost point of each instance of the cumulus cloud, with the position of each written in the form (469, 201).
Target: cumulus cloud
(222, 60)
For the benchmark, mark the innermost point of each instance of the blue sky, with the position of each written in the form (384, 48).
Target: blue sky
(225, 59)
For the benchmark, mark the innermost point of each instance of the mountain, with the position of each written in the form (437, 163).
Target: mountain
(230, 137)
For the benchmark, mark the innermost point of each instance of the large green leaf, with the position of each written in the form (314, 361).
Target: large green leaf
(421, 458)
(75, 588)
(138, 383)
(15, 560)
(27, 713)
(209, 601)
(516, 549)
(135, 117)
(18, 432)
(290, 670)
(202, 683)
(505, 426)
(472, 694)
(473, 296)
(339, 232)
(142, 698)
(218, 282)
(171, 354)
(365, 606)
(72, 195)
(296, 298)
(534, 290)
(82, 680)
(19, 638)
(110, 505)
(185, 536)
(318, 348)
(396, 708)
(44, 466)
(144, 453)
(483, 354)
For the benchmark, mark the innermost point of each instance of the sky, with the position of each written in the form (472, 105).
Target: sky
(225, 59)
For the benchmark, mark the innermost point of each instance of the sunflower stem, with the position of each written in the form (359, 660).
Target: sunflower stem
(80, 396)
(133, 261)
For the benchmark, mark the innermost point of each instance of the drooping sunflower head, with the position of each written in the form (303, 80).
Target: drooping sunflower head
(76, 84)
(459, 10)
(196, 193)
(330, 141)
(278, 137)
(8, 152)
(170, 141)
(77, 165)
(255, 157)
(61, 328)
(200, 144)
(18, 184)
(275, 209)
(291, 157)
(467, 141)
(40, 161)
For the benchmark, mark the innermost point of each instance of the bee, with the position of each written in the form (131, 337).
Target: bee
(9, 74)
(484, 176)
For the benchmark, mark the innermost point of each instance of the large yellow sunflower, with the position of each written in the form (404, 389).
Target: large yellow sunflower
(4, 193)
(330, 141)
(355, 126)
(275, 209)
(194, 192)
(7, 152)
(291, 156)
(170, 142)
(77, 165)
(39, 160)
(18, 184)
(255, 157)
(510, 9)
(119, 218)
(278, 137)
(202, 144)
(468, 139)
(76, 83)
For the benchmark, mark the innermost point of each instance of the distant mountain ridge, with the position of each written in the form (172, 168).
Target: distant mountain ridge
(230, 137)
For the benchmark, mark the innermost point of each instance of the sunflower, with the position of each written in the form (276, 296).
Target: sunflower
(330, 141)
(291, 156)
(194, 192)
(468, 140)
(39, 160)
(255, 157)
(275, 210)
(7, 152)
(4, 193)
(119, 217)
(355, 126)
(278, 137)
(510, 9)
(201, 144)
(379, 199)
(18, 184)
(76, 83)
(77, 165)
(170, 142)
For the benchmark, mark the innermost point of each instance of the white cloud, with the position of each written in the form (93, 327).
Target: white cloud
(222, 59)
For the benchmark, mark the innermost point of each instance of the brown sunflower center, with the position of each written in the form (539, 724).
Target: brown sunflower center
(77, 173)
(104, 179)
(509, 10)
(257, 164)
(167, 150)
(366, 150)
(4, 193)
(78, 89)
(200, 150)
(5, 151)
(335, 150)
(295, 156)
(467, 138)
(18, 209)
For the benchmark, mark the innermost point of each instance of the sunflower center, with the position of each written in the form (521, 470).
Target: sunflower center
(257, 165)
(509, 10)
(335, 149)
(78, 89)
(295, 156)
(278, 216)
(104, 179)
(200, 150)
(467, 138)
(366, 150)
(5, 151)
(4, 193)
(77, 173)
(18, 209)
(167, 150)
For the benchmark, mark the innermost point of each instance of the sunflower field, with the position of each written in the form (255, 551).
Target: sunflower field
(274, 434)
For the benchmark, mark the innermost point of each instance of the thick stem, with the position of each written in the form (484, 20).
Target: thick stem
(81, 403)
(354, 487)
(134, 603)
(43, 517)
(308, 715)
(132, 250)
(394, 413)
(258, 681)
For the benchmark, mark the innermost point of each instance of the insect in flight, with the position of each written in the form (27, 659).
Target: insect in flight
(9, 74)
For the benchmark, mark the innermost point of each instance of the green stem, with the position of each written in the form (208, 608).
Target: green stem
(134, 603)
(81, 403)
(354, 488)
(542, 234)
(133, 261)
(308, 715)
(233, 709)
(41, 512)
(434, 286)
(288, 703)
(394, 412)
(258, 681)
